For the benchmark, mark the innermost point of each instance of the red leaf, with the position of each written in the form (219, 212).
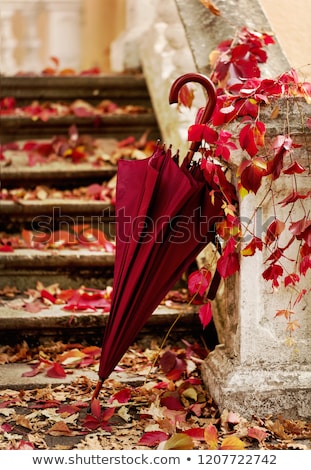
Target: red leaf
(95, 408)
(255, 244)
(302, 230)
(228, 263)
(56, 371)
(291, 279)
(274, 230)
(247, 140)
(195, 433)
(206, 314)
(272, 273)
(123, 396)
(186, 96)
(257, 433)
(168, 361)
(107, 414)
(295, 167)
(153, 438)
(293, 197)
(251, 173)
(47, 295)
(172, 403)
(198, 282)
(32, 373)
(6, 248)
(68, 409)
(305, 264)
(195, 132)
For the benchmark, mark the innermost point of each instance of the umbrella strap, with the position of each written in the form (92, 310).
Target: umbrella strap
(214, 286)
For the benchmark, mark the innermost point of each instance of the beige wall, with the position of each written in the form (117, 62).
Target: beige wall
(291, 22)
(103, 21)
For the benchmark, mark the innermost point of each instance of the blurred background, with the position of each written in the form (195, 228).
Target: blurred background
(83, 34)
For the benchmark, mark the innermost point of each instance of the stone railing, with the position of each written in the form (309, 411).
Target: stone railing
(21, 38)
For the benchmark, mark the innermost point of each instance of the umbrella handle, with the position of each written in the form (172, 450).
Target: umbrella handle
(209, 108)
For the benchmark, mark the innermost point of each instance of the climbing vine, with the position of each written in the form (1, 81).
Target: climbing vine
(246, 105)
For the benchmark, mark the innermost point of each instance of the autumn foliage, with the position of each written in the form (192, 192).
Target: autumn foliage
(237, 127)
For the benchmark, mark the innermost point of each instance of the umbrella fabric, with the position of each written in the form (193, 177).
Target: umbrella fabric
(164, 218)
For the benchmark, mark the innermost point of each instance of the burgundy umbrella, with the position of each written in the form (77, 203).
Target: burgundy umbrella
(164, 217)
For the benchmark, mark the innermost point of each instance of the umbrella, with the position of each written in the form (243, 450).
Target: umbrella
(164, 217)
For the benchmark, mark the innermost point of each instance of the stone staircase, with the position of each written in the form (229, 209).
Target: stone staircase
(57, 213)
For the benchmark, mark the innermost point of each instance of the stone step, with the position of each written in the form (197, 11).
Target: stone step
(73, 207)
(54, 322)
(22, 268)
(121, 89)
(118, 126)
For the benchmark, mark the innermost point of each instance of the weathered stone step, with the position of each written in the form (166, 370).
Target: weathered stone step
(22, 268)
(14, 128)
(121, 89)
(56, 207)
(56, 175)
(55, 322)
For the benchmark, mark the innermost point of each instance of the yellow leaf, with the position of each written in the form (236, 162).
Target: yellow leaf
(275, 113)
(232, 443)
(293, 325)
(179, 441)
(71, 357)
(190, 393)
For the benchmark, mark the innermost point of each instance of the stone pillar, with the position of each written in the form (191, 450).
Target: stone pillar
(64, 28)
(256, 371)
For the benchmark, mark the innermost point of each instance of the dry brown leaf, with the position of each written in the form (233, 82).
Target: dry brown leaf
(211, 7)
(60, 429)
(23, 421)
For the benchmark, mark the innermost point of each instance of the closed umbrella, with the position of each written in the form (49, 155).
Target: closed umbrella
(165, 216)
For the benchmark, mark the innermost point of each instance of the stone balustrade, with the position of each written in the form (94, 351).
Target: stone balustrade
(21, 38)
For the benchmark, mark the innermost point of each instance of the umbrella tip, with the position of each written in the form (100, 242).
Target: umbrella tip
(97, 389)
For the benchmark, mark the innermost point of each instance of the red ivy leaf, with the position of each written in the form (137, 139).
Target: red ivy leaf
(198, 282)
(255, 244)
(251, 173)
(206, 314)
(228, 263)
(291, 279)
(305, 264)
(295, 167)
(272, 273)
(122, 396)
(274, 230)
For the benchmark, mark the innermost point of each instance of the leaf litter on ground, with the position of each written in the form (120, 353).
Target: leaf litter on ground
(155, 400)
